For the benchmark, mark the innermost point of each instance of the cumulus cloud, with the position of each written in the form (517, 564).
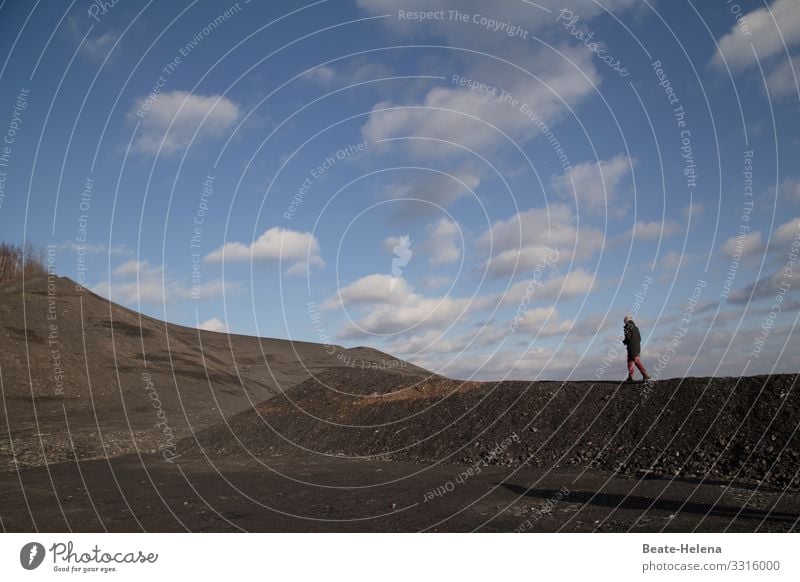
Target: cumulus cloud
(478, 120)
(543, 322)
(322, 75)
(522, 14)
(786, 232)
(133, 267)
(790, 189)
(693, 210)
(390, 306)
(532, 362)
(782, 79)
(595, 185)
(748, 244)
(765, 288)
(172, 120)
(429, 342)
(98, 47)
(434, 342)
(540, 322)
(135, 282)
(768, 286)
(766, 31)
(444, 242)
(598, 325)
(673, 259)
(421, 192)
(436, 281)
(577, 283)
(566, 73)
(354, 71)
(299, 249)
(214, 324)
(392, 242)
(652, 230)
(529, 237)
(376, 288)
(417, 312)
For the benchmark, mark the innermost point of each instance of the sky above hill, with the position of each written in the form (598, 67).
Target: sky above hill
(484, 189)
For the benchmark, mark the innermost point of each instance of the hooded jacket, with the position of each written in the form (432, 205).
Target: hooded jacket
(633, 340)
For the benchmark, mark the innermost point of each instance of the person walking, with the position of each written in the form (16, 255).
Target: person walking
(633, 341)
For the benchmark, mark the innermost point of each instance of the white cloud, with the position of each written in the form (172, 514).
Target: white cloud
(133, 267)
(435, 342)
(543, 322)
(392, 306)
(782, 79)
(300, 249)
(321, 75)
(97, 44)
(475, 119)
(786, 232)
(353, 72)
(757, 30)
(766, 287)
(436, 281)
(577, 283)
(653, 230)
(751, 243)
(532, 362)
(416, 312)
(390, 242)
(444, 242)
(560, 75)
(419, 193)
(376, 288)
(214, 324)
(531, 236)
(672, 260)
(594, 184)
(173, 119)
(366, 71)
(693, 210)
(470, 34)
(135, 282)
(790, 189)
(98, 47)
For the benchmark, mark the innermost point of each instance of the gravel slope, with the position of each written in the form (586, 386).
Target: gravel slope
(741, 429)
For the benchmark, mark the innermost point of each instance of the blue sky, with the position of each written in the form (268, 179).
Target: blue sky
(483, 189)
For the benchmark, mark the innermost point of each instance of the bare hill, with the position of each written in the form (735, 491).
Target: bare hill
(77, 371)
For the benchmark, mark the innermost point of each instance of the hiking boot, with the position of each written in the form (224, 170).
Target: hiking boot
(629, 379)
(646, 377)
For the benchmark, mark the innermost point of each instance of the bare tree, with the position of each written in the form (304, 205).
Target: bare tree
(14, 259)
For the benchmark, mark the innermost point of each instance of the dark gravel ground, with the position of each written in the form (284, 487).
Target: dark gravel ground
(327, 494)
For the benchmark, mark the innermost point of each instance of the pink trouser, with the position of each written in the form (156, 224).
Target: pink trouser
(638, 363)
